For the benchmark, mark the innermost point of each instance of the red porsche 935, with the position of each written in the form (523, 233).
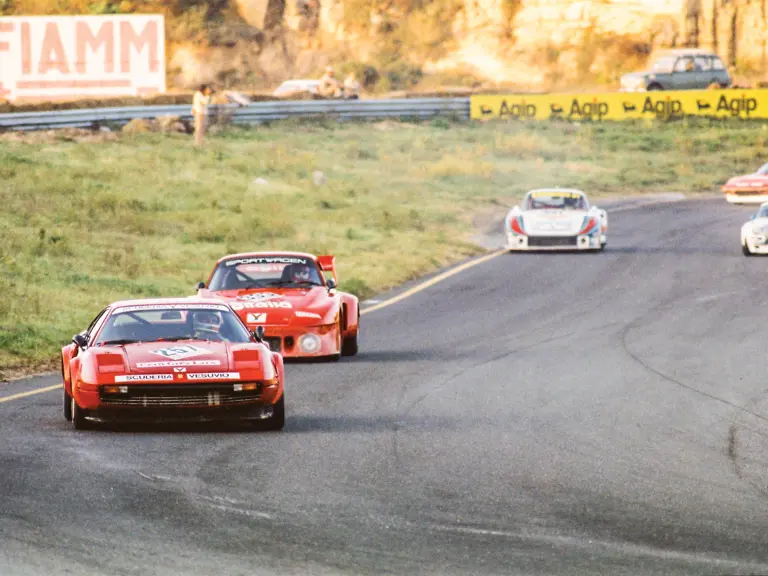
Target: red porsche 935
(290, 296)
(169, 360)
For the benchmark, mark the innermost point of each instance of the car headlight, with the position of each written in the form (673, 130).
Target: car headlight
(309, 343)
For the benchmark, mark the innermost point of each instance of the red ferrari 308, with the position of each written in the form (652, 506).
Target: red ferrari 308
(288, 294)
(183, 359)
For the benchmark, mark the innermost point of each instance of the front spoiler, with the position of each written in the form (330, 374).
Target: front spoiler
(584, 243)
(757, 198)
(252, 412)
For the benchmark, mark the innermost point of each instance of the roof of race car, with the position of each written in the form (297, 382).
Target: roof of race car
(267, 253)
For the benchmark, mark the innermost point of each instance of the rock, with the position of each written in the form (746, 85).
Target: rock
(318, 178)
(167, 123)
(260, 182)
(140, 125)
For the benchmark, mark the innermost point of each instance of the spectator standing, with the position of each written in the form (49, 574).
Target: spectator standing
(351, 87)
(200, 103)
(329, 85)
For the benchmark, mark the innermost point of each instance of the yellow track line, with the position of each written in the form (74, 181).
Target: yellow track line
(4, 399)
(432, 282)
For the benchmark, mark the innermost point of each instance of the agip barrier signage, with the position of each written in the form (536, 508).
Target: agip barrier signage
(743, 104)
(67, 57)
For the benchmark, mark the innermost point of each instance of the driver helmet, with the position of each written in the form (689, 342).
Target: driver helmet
(300, 273)
(207, 321)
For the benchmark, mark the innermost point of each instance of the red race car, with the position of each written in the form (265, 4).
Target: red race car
(302, 312)
(749, 189)
(182, 359)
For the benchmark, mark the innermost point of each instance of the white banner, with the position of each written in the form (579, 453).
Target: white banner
(70, 57)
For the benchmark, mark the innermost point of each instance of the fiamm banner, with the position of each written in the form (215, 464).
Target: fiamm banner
(661, 105)
(65, 57)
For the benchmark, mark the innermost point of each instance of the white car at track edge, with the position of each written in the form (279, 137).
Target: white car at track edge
(754, 234)
(556, 219)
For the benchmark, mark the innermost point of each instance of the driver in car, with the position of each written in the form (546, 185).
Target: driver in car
(300, 273)
(206, 325)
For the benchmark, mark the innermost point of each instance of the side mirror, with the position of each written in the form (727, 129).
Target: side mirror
(753, 216)
(259, 333)
(200, 286)
(80, 340)
(331, 283)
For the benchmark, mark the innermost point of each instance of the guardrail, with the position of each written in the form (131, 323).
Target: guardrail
(255, 113)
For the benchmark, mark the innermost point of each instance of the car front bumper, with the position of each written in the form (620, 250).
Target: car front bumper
(520, 243)
(303, 341)
(746, 195)
(215, 402)
(758, 243)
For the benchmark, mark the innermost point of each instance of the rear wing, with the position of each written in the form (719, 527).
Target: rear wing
(328, 264)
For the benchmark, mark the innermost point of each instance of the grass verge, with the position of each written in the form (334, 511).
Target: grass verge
(92, 220)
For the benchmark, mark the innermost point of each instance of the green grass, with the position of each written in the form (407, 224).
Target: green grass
(83, 224)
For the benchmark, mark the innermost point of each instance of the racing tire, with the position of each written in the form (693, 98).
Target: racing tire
(277, 421)
(78, 416)
(67, 398)
(351, 344)
(67, 406)
(746, 251)
(654, 88)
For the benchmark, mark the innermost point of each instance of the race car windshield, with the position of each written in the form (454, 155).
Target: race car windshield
(763, 213)
(133, 324)
(265, 272)
(554, 201)
(763, 170)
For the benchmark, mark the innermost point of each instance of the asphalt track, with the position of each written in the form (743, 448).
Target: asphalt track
(535, 414)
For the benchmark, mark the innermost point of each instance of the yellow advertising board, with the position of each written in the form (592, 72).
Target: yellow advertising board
(742, 104)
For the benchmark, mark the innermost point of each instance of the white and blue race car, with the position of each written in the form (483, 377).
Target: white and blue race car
(754, 234)
(556, 219)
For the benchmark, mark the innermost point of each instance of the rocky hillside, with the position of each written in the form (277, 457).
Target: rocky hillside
(396, 44)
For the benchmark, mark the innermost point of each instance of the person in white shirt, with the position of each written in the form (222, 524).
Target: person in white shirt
(200, 103)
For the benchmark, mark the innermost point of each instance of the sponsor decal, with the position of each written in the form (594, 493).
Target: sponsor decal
(268, 260)
(182, 351)
(178, 369)
(214, 376)
(520, 111)
(263, 268)
(174, 363)
(594, 110)
(735, 106)
(267, 304)
(259, 296)
(143, 377)
(663, 109)
(259, 318)
(302, 314)
(667, 105)
(163, 307)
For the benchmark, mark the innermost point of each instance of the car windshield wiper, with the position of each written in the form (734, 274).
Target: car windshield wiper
(119, 342)
(177, 339)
